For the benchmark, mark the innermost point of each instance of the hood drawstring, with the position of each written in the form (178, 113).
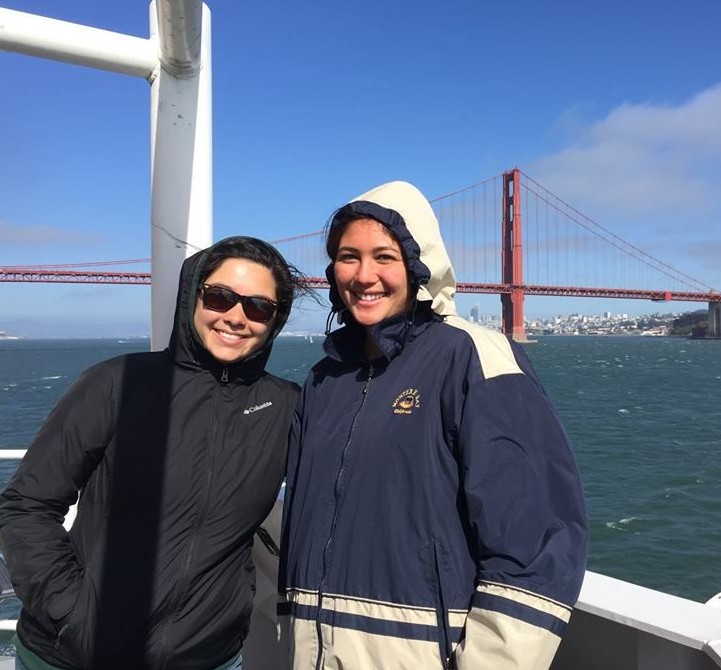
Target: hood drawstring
(338, 314)
(328, 322)
(411, 316)
(410, 320)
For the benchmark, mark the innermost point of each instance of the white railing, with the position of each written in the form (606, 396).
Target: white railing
(622, 625)
(16, 455)
(8, 625)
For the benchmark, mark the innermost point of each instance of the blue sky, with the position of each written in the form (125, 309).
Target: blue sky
(613, 105)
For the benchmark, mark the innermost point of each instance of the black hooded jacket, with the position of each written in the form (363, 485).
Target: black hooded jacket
(178, 459)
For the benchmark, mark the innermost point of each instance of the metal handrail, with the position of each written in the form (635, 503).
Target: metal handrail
(10, 455)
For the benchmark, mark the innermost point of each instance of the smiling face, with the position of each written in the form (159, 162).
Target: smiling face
(230, 336)
(370, 272)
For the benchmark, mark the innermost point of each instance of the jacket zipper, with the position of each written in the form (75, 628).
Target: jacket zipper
(329, 541)
(181, 582)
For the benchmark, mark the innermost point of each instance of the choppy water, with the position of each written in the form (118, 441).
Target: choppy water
(644, 415)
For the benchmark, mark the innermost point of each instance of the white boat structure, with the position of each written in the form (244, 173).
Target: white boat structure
(616, 625)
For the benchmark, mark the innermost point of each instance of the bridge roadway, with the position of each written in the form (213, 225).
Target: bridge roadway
(14, 274)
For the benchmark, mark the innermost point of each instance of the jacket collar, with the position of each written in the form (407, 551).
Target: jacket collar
(241, 372)
(391, 335)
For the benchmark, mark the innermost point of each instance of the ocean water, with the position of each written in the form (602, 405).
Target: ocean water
(643, 415)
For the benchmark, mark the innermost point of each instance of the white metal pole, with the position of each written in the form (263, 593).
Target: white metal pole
(181, 150)
(40, 36)
(181, 121)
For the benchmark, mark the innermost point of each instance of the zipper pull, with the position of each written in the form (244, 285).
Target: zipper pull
(224, 376)
(60, 634)
(368, 381)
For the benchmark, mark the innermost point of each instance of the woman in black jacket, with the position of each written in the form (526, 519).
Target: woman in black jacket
(178, 457)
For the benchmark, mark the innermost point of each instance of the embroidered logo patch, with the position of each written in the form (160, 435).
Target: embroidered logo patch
(406, 401)
(257, 408)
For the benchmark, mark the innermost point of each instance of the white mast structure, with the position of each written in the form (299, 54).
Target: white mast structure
(176, 61)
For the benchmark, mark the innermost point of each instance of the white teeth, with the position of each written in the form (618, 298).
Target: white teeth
(370, 297)
(233, 336)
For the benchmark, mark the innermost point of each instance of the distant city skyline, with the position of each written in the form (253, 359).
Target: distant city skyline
(306, 318)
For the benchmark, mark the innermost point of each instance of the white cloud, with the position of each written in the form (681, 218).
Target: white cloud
(45, 236)
(644, 160)
(649, 173)
(693, 126)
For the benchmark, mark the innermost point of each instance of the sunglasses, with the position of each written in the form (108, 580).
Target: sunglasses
(221, 299)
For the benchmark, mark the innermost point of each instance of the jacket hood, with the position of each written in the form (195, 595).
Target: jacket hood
(405, 211)
(185, 345)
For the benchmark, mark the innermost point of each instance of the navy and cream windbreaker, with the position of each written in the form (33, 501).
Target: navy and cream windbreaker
(434, 514)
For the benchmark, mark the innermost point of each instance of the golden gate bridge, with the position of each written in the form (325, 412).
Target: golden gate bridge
(506, 235)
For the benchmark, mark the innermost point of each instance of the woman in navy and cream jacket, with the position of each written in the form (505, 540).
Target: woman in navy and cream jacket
(434, 515)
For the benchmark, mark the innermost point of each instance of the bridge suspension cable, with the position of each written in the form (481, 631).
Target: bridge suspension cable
(610, 237)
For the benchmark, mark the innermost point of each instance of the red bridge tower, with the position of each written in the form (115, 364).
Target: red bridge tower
(512, 257)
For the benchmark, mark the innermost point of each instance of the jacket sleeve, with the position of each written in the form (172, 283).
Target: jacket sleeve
(526, 515)
(43, 566)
